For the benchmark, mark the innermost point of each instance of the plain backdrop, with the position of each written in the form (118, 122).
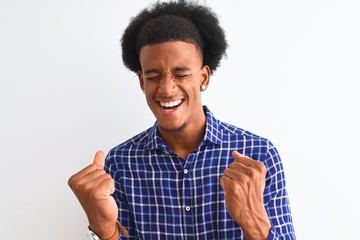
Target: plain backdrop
(292, 74)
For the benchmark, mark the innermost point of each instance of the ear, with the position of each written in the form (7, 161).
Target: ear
(141, 80)
(205, 76)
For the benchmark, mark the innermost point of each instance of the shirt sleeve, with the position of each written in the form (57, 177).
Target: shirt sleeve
(276, 199)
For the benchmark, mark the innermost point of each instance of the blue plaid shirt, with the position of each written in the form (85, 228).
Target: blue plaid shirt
(161, 196)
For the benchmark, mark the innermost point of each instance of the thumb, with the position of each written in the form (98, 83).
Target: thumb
(99, 159)
(236, 154)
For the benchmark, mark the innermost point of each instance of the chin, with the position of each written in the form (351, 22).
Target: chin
(173, 129)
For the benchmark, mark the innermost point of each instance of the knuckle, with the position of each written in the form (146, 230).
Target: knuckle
(101, 171)
(232, 165)
(77, 186)
(112, 181)
(234, 187)
(262, 167)
(106, 177)
(70, 181)
(222, 180)
(86, 189)
(251, 173)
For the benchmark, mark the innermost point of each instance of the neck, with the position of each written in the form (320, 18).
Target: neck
(186, 139)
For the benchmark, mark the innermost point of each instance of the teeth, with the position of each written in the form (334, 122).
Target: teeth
(170, 104)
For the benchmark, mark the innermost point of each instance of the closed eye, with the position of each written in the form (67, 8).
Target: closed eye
(152, 74)
(152, 78)
(183, 76)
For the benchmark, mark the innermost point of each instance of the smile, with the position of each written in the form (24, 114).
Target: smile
(170, 105)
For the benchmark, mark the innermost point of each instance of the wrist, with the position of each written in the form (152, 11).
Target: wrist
(106, 233)
(259, 230)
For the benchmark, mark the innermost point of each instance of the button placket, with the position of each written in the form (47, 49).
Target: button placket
(188, 207)
(187, 185)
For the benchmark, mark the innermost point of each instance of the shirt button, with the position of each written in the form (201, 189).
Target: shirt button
(187, 208)
(186, 171)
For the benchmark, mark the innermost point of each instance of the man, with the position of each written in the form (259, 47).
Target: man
(190, 176)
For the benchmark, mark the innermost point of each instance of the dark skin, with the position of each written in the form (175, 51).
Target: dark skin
(93, 188)
(243, 183)
(172, 78)
(173, 72)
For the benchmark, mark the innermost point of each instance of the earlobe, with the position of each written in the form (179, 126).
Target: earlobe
(206, 72)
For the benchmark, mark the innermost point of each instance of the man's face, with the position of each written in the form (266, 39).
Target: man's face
(171, 76)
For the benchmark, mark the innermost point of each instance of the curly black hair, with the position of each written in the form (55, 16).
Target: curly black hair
(171, 21)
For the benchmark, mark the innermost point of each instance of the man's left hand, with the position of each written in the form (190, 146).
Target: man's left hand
(243, 183)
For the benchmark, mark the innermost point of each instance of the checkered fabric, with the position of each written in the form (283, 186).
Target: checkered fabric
(161, 196)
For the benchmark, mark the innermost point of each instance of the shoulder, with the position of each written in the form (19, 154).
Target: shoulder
(248, 143)
(130, 146)
(229, 130)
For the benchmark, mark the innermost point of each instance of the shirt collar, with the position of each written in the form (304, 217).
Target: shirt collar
(212, 133)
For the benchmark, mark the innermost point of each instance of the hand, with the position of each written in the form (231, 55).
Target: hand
(93, 188)
(243, 183)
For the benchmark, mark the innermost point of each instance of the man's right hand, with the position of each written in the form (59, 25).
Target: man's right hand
(93, 188)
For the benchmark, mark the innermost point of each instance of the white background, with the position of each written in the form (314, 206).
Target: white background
(292, 75)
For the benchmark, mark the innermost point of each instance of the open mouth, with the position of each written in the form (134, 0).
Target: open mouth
(168, 106)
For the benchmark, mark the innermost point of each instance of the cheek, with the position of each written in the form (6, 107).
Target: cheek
(194, 93)
(149, 102)
(151, 93)
(150, 88)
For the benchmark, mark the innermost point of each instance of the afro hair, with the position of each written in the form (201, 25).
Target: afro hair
(174, 21)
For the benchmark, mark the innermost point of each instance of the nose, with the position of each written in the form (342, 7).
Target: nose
(167, 85)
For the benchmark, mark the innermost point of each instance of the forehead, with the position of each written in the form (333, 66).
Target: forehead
(173, 53)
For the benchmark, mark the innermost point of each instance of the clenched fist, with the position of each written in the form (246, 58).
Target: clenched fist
(243, 183)
(93, 188)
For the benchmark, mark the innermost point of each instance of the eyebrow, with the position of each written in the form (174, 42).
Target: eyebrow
(181, 69)
(151, 71)
(176, 69)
